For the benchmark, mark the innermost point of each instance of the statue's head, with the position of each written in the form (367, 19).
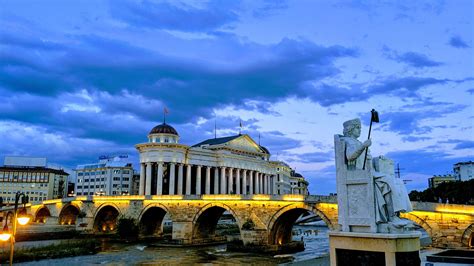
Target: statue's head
(352, 128)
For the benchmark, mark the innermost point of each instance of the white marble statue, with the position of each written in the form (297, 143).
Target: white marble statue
(391, 196)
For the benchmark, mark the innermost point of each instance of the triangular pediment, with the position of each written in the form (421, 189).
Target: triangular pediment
(244, 143)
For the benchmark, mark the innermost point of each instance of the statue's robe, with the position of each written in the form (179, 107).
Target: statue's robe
(391, 195)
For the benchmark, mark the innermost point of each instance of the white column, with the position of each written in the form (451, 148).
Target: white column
(148, 179)
(237, 181)
(267, 184)
(223, 183)
(216, 180)
(274, 188)
(188, 179)
(172, 178)
(257, 188)
(159, 179)
(208, 180)
(244, 182)
(198, 180)
(142, 179)
(231, 181)
(180, 179)
(251, 183)
(264, 183)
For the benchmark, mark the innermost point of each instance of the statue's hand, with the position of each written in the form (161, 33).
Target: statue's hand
(367, 143)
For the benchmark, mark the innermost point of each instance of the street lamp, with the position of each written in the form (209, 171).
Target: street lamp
(20, 217)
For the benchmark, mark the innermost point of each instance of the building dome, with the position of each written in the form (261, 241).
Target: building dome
(164, 129)
(265, 150)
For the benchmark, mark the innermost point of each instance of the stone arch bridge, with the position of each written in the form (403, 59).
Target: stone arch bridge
(263, 220)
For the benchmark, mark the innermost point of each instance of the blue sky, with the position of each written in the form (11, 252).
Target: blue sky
(82, 79)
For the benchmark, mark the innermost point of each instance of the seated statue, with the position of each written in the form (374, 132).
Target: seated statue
(391, 196)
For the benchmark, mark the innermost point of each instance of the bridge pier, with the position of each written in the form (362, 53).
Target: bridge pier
(183, 232)
(255, 237)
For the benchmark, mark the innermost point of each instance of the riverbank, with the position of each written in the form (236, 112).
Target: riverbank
(65, 248)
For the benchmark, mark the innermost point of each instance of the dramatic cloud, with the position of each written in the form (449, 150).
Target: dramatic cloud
(94, 79)
(457, 42)
(411, 58)
(174, 15)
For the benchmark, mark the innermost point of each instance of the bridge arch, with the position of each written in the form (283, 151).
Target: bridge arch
(421, 222)
(42, 214)
(105, 218)
(68, 214)
(468, 236)
(151, 219)
(206, 219)
(281, 224)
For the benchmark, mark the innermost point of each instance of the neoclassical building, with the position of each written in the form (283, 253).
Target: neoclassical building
(227, 165)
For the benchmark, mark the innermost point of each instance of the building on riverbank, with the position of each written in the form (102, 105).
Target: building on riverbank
(227, 165)
(32, 176)
(108, 176)
(464, 171)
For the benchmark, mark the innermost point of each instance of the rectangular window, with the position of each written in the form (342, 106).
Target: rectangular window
(79, 193)
(116, 171)
(116, 178)
(80, 174)
(79, 187)
(126, 179)
(126, 171)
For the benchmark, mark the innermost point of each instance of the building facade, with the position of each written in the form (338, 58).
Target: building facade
(228, 165)
(438, 179)
(298, 184)
(32, 177)
(109, 176)
(464, 171)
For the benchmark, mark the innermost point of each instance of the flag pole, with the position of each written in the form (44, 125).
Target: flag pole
(374, 117)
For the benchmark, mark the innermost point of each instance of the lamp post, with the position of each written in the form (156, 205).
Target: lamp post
(18, 217)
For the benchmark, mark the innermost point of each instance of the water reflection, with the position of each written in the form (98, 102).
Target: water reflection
(140, 254)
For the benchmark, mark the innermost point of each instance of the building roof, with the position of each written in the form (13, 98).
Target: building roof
(265, 150)
(32, 169)
(216, 141)
(164, 129)
(464, 163)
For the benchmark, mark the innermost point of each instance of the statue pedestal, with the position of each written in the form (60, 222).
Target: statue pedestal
(349, 248)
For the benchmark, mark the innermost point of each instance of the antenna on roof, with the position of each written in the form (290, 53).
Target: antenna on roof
(258, 138)
(215, 127)
(240, 129)
(165, 112)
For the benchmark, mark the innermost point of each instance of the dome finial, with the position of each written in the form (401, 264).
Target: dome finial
(165, 112)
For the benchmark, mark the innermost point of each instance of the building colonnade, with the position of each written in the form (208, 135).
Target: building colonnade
(165, 178)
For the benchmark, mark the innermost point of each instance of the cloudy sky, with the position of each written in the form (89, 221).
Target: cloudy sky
(91, 78)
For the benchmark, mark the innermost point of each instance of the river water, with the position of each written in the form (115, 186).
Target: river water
(317, 245)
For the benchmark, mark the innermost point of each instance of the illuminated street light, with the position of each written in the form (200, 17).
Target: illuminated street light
(20, 217)
(5, 234)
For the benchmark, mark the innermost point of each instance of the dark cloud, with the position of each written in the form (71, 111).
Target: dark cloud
(458, 42)
(409, 122)
(270, 7)
(411, 58)
(111, 67)
(414, 138)
(174, 15)
(425, 161)
(460, 144)
(405, 87)
(312, 157)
